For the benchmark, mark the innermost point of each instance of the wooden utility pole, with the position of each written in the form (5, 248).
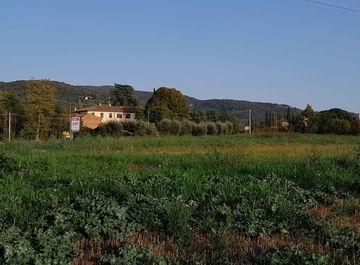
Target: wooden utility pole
(9, 120)
(70, 131)
(250, 121)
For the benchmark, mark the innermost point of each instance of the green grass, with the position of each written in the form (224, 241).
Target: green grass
(178, 186)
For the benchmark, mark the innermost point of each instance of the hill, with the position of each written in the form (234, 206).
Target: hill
(66, 93)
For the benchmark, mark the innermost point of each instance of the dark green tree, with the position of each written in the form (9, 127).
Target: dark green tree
(336, 121)
(166, 103)
(10, 103)
(288, 114)
(123, 95)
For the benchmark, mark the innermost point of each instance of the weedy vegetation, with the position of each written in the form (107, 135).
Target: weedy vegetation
(277, 199)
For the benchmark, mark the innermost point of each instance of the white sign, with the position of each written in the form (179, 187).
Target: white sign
(247, 128)
(75, 124)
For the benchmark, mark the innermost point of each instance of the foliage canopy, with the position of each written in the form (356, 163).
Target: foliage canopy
(166, 103)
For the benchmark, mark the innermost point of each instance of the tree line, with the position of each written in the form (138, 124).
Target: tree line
(35, 113)
(333, 121)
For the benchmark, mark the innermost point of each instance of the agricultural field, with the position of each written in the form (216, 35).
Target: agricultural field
(262, 199)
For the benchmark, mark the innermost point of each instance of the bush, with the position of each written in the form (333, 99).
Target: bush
(151, 129)
(140, 128)
(211, 128)
(199, 129)
(221, 128)
(238, 127)
(229, 127)
(143, 128)
(28, 132)
(169, 127)
(186, 127)
(85, 132)
(164, 126)
(130, 127)
(175, 128)
(111, 128)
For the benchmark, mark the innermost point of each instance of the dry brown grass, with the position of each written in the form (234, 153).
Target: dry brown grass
(327, 215)
(238, 249)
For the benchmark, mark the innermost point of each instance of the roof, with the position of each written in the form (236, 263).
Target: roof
(109, 108)
(90, 121)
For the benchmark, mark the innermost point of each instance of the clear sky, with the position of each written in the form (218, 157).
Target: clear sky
(280, 51)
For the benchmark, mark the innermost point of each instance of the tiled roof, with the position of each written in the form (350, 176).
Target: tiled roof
(109, 108)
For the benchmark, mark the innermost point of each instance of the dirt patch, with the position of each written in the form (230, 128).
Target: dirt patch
(238, 249)
(331, 214)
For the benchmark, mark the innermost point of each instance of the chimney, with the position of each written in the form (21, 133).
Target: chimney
(75, 108)
(99, 104)
(109, 104)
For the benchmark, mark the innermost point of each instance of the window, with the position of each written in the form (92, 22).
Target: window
(102, 115)
(93, 113)
(110, 115)
(128, 116)
(119, 116)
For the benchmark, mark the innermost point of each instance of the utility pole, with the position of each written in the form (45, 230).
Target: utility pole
(249, 121)
(70, 132)
(9, 120)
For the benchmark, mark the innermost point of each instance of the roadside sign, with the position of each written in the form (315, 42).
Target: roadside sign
(247, 128)
(75, 124)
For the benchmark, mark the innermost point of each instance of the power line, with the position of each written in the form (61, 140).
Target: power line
(333, 6)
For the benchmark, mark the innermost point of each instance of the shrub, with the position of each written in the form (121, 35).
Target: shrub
(164, 126)
(211, 128)
(169, 127)
(186, 127)
(111, 128)
(28, 132)
(238, 127)
(140, 128)
(175, 128)
(151, 129)
(229, 127)
(130, 127)
(221, 128)
(199, 129)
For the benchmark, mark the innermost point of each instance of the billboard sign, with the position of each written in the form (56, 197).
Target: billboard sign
(75, 124)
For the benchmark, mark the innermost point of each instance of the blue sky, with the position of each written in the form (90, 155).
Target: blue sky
(281, 51)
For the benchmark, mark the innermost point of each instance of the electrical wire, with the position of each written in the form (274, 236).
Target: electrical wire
(333, 6)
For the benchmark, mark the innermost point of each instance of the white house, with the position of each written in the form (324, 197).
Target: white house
(109, 113)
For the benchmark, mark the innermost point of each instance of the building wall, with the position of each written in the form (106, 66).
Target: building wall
(113, 116)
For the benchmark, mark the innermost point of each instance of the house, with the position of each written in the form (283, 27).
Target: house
(94, 115)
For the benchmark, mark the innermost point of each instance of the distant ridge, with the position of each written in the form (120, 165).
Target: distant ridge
(100, 94)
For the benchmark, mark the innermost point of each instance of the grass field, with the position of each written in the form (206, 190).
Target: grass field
(181, 200)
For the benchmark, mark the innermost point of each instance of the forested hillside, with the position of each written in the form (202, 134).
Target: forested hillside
(100, 94)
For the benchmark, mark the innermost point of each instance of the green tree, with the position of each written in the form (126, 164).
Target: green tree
(288, 114)
(335, 121)
(310, 120)
(10, 103)
(166, 103)
(123, 95)
(40, 107)
(60, 123)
